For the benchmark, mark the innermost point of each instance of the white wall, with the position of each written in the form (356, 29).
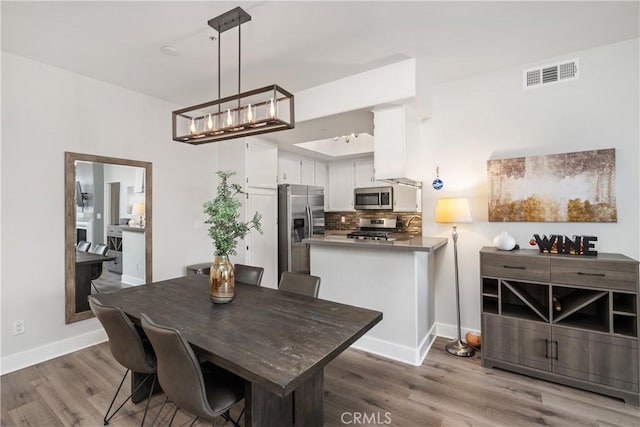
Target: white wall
(491, 116)
(45, 112)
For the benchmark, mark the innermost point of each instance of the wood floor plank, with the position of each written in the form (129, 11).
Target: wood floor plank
(446, 391)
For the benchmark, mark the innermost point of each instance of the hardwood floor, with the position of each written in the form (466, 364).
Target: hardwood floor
(360, 389)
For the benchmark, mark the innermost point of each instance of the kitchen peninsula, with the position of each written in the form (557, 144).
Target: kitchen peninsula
(394, 277)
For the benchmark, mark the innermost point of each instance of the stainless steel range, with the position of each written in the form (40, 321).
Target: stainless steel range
(374, 229)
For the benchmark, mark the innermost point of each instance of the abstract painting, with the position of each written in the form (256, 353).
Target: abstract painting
(568, 187)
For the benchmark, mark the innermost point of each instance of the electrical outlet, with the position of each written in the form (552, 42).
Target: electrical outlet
(18, 327)
(342, 219)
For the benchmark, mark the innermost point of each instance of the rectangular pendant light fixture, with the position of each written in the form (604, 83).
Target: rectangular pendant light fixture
(268, 109)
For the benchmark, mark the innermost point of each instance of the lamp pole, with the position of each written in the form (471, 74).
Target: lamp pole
(456, 346)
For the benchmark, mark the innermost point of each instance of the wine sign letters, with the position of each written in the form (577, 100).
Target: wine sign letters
(577, 245)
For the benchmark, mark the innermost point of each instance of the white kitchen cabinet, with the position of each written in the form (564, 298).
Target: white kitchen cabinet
(307, 171)
(321, 180)
(262, 249)
(365, 174)
(406, 199)
(133, 257)
(138, 185)
(341, 185)
(261, 164)
(288, 169)
(396, 144)
(255, 162)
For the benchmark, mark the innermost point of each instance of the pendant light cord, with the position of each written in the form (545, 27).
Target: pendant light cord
(219, 37)
(239, 62)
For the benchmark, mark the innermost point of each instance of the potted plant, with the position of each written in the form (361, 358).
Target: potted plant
(225, 230)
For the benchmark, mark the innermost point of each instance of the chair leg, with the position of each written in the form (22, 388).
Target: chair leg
(173, 416)
(108, 417)
(240, 416)
(95, 287)
(227, 417)
(166, 399)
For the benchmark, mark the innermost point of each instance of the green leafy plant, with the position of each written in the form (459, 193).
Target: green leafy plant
(226, 227)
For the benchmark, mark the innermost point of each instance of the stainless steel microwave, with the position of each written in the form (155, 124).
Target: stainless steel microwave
(373, 198)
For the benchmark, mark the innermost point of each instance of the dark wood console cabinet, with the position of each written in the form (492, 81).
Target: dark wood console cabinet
(563, 318)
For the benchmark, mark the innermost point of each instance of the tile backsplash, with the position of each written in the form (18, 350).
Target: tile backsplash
(333, 220)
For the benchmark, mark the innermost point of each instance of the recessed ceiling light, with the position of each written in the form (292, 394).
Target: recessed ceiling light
(170, 51)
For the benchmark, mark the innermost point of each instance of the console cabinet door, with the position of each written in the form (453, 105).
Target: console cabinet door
(597, 358)
(516, 341)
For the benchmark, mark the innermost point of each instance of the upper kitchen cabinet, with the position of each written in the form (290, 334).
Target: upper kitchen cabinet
(254, 161)
(261, 164)
(307, 171)
(341, 184)
(296, 169)
(365, 174)
(320, 171)
(288, 168)
(397, 145)
(406, 199)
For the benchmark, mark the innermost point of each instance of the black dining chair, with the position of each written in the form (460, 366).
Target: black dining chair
(96, 268)
(205, 391)
(83, 246)
(299, 283)
(248, 274)
(128, 348)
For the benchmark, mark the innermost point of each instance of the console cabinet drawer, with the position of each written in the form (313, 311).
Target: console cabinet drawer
(608, 275)
(515, 267)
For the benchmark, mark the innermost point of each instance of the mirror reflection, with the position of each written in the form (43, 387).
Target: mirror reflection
(108, 236)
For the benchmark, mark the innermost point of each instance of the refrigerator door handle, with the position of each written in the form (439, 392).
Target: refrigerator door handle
(310, 221)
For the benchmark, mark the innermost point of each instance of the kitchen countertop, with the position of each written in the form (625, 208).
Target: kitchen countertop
(415, 244)
(132, 228)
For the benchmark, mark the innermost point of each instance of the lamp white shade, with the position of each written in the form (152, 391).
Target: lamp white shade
(453, 210)
(138, 209)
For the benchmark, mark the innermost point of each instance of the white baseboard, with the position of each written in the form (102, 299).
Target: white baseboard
(393, 351)
(451, 331)
(132, 280)
(401, 353)
(23, 359)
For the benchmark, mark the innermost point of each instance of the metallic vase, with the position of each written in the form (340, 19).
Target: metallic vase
(222, 287)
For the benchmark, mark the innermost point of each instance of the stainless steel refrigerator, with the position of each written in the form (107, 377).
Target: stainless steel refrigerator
(300, 215)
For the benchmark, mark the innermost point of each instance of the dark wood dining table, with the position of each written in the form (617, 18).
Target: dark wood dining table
(278, 342)
(86, 263)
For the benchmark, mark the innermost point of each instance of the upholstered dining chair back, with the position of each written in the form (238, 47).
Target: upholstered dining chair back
(298, 283)
(248, 274)
(83, 246)
(125, 341)
(101, 249)
(128, 349)
(181, 377)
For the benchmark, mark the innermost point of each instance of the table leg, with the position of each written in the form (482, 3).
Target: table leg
(303, 407)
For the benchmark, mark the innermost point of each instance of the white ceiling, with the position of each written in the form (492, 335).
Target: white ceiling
(301, 44)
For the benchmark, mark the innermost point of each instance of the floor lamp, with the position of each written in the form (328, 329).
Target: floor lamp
(455, 211)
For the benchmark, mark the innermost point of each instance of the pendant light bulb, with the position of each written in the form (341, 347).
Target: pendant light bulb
(192, 128)
(249, 113)
(229, 118)
(210, 122)
(272, 108)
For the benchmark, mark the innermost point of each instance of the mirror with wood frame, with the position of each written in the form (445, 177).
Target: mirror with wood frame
(107, 228)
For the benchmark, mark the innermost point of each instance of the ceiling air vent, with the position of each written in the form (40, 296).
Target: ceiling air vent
(552, 73)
